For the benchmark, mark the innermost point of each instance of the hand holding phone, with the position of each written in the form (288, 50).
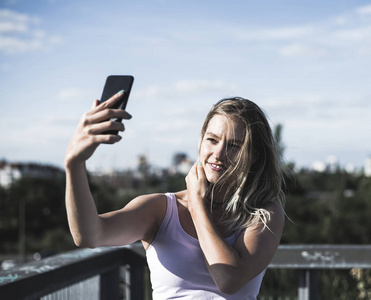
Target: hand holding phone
(113, 85)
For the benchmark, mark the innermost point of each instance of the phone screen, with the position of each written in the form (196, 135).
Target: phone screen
(113, 85)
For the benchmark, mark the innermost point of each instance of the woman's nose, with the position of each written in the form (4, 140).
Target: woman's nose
(219, 151)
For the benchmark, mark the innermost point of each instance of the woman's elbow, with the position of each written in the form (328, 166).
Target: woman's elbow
(229, 289)
(84, 242)
(229, 286)
(232, 283)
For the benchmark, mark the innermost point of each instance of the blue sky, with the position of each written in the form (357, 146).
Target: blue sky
(306, 63)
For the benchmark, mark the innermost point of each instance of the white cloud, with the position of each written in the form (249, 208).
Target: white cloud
(360, 34)
(335, 34)
(20, 33)
(11, 45)
(16, 17)
(273, 34)
(54, 40)
(11, 27)
(340, 20)
(176, 126)
(301, 50)
(201, 86)
(364, 10)
(186, 87)
(175, 112)
(74, 94)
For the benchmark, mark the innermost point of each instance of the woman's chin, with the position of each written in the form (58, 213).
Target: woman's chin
(212, 178)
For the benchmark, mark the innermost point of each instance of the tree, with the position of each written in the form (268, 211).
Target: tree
(38, 203)
(277, 134)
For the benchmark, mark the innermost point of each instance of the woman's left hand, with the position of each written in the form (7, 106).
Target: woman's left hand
(196, 184)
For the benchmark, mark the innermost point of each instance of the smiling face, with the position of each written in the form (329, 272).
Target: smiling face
(220, 145)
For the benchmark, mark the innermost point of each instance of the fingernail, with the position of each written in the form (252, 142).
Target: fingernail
(200, 163)
(129, 115)
(120, 92)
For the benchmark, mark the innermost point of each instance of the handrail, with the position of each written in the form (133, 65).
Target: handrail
(308, 259)
(322, 257)
(36, 279)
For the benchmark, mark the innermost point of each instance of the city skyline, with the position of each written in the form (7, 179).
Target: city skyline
(305, 63)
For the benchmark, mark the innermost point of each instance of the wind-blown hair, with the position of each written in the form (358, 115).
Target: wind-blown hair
(254, 178)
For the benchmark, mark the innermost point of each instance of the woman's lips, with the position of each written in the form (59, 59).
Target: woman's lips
(216, 167)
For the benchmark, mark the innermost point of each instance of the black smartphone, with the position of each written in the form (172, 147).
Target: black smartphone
(114, 84)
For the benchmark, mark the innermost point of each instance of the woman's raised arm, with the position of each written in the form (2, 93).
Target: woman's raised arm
(88, 228)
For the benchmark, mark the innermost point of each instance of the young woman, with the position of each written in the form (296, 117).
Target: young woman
(213, 240)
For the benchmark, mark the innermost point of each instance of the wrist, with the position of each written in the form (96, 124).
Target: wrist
(71, 164)
(196, 205)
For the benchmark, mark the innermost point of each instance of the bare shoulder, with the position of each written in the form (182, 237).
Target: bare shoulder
(137, 220)
(149, 209)
(265, 234)
(273, 225)
(155, 203)
(150, 198)
(276, 211)
(277, 218)
(257, 244)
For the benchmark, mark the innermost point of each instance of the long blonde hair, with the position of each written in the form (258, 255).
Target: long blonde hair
(255, 178)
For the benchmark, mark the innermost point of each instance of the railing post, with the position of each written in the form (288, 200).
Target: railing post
(307, 284)
(137, 280)
(110, 285)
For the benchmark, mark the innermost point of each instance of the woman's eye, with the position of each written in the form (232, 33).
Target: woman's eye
(212, 140)
(234, 146)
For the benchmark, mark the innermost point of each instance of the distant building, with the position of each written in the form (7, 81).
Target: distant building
(11, 172)
(368, 166)
(318, 166)
(350, 168)
(181, 164)
(332, 164)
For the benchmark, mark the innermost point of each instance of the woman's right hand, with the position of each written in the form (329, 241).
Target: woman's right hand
(89, 133)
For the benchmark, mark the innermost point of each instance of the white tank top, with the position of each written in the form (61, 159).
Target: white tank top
(177, 265)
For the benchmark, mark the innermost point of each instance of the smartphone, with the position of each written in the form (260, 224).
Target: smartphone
(114, 84)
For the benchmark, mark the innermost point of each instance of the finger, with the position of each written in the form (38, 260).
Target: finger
(107, 114)
(96, 103)
(194, 170)
(200, 171)
(111, 101)
(107, 138)
(191, 173)
(109, 125)
(127, 116)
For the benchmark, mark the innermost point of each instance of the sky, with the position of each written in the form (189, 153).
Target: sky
(305, 63)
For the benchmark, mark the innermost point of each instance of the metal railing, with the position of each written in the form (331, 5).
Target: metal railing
(103, 271)
(309, 260)
(73, 274)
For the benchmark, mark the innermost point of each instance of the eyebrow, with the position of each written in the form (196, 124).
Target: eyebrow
(216, 136)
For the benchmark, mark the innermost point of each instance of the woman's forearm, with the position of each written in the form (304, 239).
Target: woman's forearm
(231, 267)
(222, 260)
(82, 214)
(216, 250)
(83, 219)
